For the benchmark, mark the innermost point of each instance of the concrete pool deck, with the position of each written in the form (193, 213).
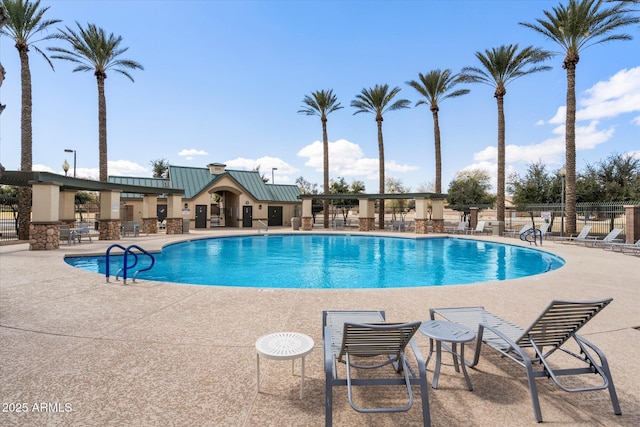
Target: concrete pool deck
(76, 350)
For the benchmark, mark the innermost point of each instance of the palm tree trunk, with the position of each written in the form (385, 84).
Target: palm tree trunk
(26, 140)
(436, 138)
(325, 155)
(102, 128)
(501, 159)
(381, 152)
(570, 141)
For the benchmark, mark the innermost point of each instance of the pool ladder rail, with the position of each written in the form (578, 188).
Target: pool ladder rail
(126, 267)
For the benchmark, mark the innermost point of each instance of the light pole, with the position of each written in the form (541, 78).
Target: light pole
(68, 150)
(563, 173)
(272, 175)
(65, 167)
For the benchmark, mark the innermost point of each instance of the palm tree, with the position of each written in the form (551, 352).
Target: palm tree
(576, 26)
(321, 103)
(378, 100)
(96, 52)
(436, 86)
(24, 25)
(500, 66)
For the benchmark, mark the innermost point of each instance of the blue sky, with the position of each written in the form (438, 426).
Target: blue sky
(223, 82)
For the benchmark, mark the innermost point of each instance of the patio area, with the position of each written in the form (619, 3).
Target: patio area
(79, 351)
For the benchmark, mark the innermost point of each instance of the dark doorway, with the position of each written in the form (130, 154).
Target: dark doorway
(247, 216)
(275, 216)
(161, 212)
(201, 216)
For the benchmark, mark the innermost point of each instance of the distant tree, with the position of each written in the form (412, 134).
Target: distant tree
(574, 27)
(321, 103)
(306, 187)
(470, 188)
(160, 168)
(396, 186)
(340, 186)
(378, 100)
(26, 26)
(536, 186)
(435, 87)
(614, 179)
(93, 51)
(501, 66)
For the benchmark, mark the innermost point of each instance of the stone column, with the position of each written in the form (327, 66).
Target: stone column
(473, 217)
(67, 211)
(174, 214)
(307, 215)
(366, 216)
(109, 225)
(422, 215)
(437, 215)
(150, 214)
(632, 223)
(44, 230)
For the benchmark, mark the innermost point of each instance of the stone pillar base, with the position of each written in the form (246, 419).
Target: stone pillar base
(44, 236)
(150, 225)
(307, 223)
(109, 229)
(421, 226)
(174, 225)
(438, 225)
(632, 227)
(366, 224)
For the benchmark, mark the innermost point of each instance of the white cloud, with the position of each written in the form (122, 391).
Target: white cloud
(125, 168)
(190, 153)
(605, 99)
(346, 159)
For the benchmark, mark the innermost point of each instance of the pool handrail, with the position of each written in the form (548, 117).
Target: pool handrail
(127, 267)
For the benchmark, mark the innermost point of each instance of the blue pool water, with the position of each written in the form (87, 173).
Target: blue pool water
(334, 261)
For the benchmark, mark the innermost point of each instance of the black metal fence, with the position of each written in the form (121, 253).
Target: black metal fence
(86, 212)
(8, 218)
(602, 217)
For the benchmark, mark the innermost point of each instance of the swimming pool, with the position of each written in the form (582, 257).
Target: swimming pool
(316, 261)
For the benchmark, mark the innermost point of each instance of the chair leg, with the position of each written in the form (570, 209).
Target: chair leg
(533, 389)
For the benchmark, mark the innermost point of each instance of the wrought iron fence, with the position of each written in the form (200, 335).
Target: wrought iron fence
(602, 217)
(8, 218)
(85, 212)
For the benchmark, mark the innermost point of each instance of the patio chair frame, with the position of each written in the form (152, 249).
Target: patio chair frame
(557, 324)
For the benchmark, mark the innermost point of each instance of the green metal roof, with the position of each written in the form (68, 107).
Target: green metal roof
(196, 180)
(131, 180)
(193, 180)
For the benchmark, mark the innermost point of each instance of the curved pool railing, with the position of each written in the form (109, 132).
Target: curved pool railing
(126, 267)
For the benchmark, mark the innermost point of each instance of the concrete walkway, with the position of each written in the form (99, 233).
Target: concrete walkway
(75, 350)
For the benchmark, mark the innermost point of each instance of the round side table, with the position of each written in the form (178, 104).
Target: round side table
(441, 330)
(284, 346)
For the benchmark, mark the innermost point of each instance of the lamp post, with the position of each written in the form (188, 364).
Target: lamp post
(272, 175)
(68, 150)
(563, 173)
(65, 167)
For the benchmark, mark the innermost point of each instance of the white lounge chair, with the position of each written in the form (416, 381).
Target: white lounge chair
(479, 228)
(514, 233)
(351, 336)
(574, 239)
(461, 228)
(595, 242)
(533, 347)
(623, 247)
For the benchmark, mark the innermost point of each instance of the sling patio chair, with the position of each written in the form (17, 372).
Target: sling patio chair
(516, 233)
(553, 329)
(460, 228)
(479, 228)
(633, 248)
(351, 336)
(574, 239)
(595, 242)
